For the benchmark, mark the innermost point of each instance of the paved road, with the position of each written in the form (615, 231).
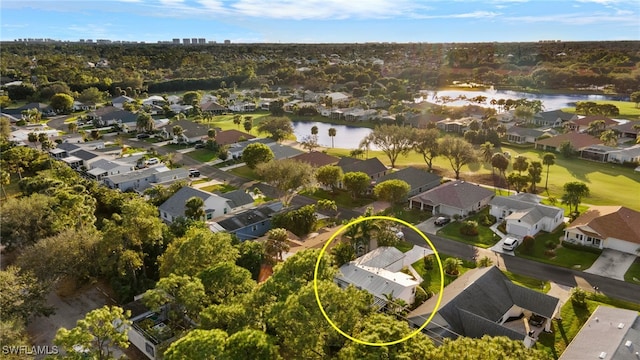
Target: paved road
(563, 276)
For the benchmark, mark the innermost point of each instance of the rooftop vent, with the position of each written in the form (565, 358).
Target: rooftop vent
(602, 355)
(628, 343)
(621, 325)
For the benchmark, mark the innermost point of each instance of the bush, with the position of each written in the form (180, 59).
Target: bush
(488, 220)
(428, 262)
(550, 244)
(503, 227)
(469, 228)
(527, 243)
(422, 295)
(550, 253)
(579, 297)
(579, 247)
(485, 262)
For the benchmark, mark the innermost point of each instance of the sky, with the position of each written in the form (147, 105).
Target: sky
(322, 21)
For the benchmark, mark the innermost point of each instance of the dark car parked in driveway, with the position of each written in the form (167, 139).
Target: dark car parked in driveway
(442, 221)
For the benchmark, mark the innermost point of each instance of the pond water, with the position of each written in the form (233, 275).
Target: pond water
(349, 137)
(550, 101)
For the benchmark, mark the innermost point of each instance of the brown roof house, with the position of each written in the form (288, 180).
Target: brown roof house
(316, 159)
(232, 136)
(452, 198)
(581, 125)
(482, 302)
(578, 141)
(372, 167)
(607, 227)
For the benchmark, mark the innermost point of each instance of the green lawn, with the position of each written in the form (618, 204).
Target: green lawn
(404, 246)
(412, 216)
(222, 188)
(608, 183)
(565, 257)
(342, 198)
(628, 109)
(432, 277)
(245, 172)
(633, 274)
(485, 238)
(202, 155)
(529, 282)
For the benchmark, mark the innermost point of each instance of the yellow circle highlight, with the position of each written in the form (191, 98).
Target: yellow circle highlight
(324, 248)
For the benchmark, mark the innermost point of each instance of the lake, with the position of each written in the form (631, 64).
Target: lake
(349, 137)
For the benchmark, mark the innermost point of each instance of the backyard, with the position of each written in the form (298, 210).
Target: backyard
(628, 109)
(432, 277)
(548, 249)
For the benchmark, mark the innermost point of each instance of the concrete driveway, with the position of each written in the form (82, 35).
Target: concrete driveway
(612, 263)
(427, 226)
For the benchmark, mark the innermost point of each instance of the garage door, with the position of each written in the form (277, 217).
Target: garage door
(517, 230)
(620, 245)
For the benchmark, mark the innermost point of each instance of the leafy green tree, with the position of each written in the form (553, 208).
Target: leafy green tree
(61, 103)
(5, 179)
(288, 176)
(392, 140)
(635, 97)
(609, 137)
(5, 128)
(231, 316)
(144, 122)
(237, 119)
(257, 153)
(332, 135)
(566, 149)
(191, 98)
(518, 181)
(225, 280)
(250, 256)
(250, 344)
(300, 221)
(378, 328)
(329, 176)
(184, 295)
(69, 254)
(458, 151)
(97, 334)
(279, 128)
(14, 333)
(276, 244)
(248, 124)
(32, 137)
(343, 253)
(520, 164)
(197, 250)
(488, 347)
(393, 191)
(535, 174)
(198, 344)
(23, 295)
(177, 130)
(574, 192)
(91, 95)
(28, 219)
(356, 182)
(548, 159)
(326, 204)
(194, 208)
(425, 143)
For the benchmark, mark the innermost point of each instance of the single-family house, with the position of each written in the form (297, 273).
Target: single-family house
(598, 153)
(627, 155)
(577, 140)
(235, 150)
(316, 159)
(419, 180)
(121, 100)
(424, 121)
(174, 207)
(484, 301)
(103, 167)
(239, 200)
(338, 98)
(111, 115)
(249, 224)
(41, 107)
(582, 124)
(244, 106)
(522, 135)
(452, 198)
(372, 167)
(553, 118)
(150, 331)
(524, 214)
(359, 114)
(609, 334)
(86, 106)
(626, 130)
(213, 107)
(191, 132)
(140, 180)
(606, 227)
(232, 136)
(154, 100)
(174, 99)
(455, 125)
(283, 151)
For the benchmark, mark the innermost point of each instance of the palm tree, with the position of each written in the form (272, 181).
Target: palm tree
(32, 137)
(596, 127)
(248, 125)
(548, 159)
(452, 266)
(332, 134)
(144, 122)
(574, 192)
(609, 137)
(314, 130)
(177, 130)
(194, 208)
(486, 151)
(365, 144)
(237, 119)
(276, 244)
(72, 127)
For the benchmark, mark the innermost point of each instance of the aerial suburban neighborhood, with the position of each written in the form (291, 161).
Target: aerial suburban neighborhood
(194, 199)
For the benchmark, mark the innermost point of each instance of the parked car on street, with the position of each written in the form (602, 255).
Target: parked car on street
(194, 173)
(143, 136)
(153, 161)
(510, 244)
(442, 221)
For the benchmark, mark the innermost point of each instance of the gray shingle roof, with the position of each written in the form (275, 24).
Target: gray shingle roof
(474, 303)
(457, 194)
(370, 166)
(415, 177)
(284, 151)
(85, 155)
(246, 218)
(175, 204)
(522, 131)
(237, 197)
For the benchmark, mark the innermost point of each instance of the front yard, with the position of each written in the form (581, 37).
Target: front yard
(412, 216)
(486, 238)
(560, 255)
(245, 172)
(432, 277)
(203, 155)
(633, 274)
(342, 198)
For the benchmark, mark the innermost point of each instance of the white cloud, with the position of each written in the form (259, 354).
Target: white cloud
(322, 9)
(579, 19)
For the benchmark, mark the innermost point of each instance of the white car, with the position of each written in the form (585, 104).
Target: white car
(152, 161)
(510, 244)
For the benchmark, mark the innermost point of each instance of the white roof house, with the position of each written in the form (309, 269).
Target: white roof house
(524, 215)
